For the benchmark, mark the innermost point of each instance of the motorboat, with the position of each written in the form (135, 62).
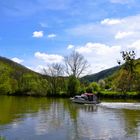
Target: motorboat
(86, 98)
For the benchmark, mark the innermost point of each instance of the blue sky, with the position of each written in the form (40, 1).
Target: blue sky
(36, 33)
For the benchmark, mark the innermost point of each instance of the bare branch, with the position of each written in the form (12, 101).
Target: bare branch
(75, 64)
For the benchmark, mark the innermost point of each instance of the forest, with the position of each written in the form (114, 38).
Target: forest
(65, 80)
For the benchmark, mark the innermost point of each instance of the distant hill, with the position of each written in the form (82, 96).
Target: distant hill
(100, 75)
(16, 66)
(17, 79)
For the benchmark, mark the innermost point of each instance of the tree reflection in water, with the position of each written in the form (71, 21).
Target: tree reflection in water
(41, 118)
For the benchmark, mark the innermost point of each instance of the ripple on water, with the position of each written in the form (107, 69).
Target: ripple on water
(121, 105)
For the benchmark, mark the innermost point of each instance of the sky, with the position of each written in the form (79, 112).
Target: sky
(36, 33)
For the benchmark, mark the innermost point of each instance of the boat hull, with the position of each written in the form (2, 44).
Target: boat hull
(84, 101)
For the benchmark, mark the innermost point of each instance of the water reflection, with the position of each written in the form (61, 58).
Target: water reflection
(40, 118)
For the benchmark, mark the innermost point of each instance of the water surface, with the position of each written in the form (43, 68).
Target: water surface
(29, 118)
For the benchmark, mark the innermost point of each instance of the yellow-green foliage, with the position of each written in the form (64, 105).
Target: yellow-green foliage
(94, 86)
(124, 80)
(32, 84)
(16, 79)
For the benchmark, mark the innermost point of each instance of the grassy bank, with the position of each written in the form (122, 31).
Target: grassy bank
(115, 94)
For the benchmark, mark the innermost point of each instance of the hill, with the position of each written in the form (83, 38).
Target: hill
(100, 75)
(17, 79)
(18, 67)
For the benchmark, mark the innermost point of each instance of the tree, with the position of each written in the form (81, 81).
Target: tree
(75, 64)
(128, 74)
(54, 73)
(102, 84)
(73, 85)
(32, 84)
(95, 87)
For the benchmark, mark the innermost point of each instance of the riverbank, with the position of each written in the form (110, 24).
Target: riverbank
(115, 94)
(101, 94)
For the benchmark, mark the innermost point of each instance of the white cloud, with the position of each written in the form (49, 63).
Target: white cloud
(17, 60)
(136, 47)
(51, 36)
(121, 35)
(40, 68)
(128, 30)
(49, 58)
(38, 34)
(70, 46)
(100, 56)
(111, 21)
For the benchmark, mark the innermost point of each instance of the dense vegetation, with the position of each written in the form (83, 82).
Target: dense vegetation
(18, 80)
(120, 81)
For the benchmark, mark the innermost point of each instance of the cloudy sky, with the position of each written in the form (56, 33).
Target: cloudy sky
(36, 33)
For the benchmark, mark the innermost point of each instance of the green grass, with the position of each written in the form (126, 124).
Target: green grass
(115, 94)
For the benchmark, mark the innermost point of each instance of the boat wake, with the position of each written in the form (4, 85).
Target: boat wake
(121, 105)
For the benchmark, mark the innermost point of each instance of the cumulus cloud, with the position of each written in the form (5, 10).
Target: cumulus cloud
(51, 36)
(38, 34)
(121, 35)
(70, 47)
(136, 47)
(125, 29)
(40, 68)
(49, 58)
(100, 56)
(111, 21)
(17, 60)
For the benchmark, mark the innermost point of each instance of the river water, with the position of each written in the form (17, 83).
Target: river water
(29, 118)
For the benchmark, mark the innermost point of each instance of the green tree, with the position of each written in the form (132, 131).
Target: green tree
(73, 85)
(5, 80)
(32, 84)
(102, 84)
(127, 79)
(95, 87)
(54, 73)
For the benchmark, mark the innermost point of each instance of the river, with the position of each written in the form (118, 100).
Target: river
(30, 118)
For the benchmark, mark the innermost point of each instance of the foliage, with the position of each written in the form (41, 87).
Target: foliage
(127, 79)
(31, 84)
(16, 79)
(102, 84)
(116, 94)
(73, 85)
(55, 79)
(94, 87)
(119, 81)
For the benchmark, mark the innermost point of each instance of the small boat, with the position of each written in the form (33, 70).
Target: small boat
(86, 98)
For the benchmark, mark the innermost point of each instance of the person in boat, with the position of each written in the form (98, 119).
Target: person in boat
(89, 96)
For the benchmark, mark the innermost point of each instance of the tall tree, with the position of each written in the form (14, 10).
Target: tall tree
(128, 75)
(73, 85)
(54, 73)
(75, 64)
